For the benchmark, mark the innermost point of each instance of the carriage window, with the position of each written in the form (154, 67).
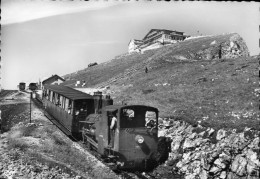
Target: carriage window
(68, 105)
(48, 94)
(62, 102)
(150, 119)
(58, 99)
(51, 95)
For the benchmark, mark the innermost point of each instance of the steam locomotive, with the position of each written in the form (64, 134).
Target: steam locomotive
(132, 143)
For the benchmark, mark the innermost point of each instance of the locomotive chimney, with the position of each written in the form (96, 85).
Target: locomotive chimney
(97, 101)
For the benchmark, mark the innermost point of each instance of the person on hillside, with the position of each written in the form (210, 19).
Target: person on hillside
(146, 70)
(84, 83)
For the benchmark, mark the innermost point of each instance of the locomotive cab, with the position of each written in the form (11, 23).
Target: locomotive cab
(133, 140)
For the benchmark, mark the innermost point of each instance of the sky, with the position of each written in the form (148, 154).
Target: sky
(42, 37)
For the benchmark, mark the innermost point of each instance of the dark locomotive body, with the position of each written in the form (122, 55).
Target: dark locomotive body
(131, 144)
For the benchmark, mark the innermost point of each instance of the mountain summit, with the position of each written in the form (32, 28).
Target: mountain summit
(206, 77)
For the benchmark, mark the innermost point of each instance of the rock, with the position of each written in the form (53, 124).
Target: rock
(252, 156)
(219, 163)
(239, 165)
(210, 131)
(223, 175)
(255, 144)
(221, 134)
(204, 163)
(201, 134)
(3, 176)
(196, 155)
(214, 170)
(231, 175)
(213, 42)
(203, 174)
(225, 158)
(186, 157)
(45, 167)
(190, 176)
(188, 144)
(175, 145)
(252, 169)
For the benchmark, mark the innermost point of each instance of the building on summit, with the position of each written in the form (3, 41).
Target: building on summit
(156, 38)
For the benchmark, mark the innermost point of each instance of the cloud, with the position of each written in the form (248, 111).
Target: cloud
(17, 11)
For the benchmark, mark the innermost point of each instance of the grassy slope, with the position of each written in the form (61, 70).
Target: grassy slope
(218, 93)
(201, 89)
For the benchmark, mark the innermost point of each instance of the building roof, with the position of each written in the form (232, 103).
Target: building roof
(68, 92)
(160, 30)
(53, 77)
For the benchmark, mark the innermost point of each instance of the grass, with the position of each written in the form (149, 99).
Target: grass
(219, 93)
(5, 93)
(55, 150)
(10, 117)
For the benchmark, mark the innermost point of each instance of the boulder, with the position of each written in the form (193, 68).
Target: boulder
(215, 170)
(255, 144)
(176, 143)
(220, 163)
(223, 175)
(203, 174)
(188, 144)
(239, 165)
(221, 134)
(252, 169)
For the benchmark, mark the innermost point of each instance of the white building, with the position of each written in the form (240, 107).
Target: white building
(155, 38)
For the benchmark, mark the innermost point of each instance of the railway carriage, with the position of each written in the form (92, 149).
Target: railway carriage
(22, 86)
(33, 86)
(67, 106)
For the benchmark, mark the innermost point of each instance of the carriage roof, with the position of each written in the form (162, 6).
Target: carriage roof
(68, 92)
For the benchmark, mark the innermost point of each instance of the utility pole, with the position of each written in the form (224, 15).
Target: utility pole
(30, 107)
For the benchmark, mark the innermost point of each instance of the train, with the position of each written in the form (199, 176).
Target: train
(131, 144)
(33, 86)
(21, 86)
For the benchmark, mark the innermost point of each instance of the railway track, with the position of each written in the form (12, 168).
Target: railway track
(122, 174)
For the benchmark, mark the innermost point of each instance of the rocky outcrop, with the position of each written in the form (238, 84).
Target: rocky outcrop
(233, 47)
(221, 154)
